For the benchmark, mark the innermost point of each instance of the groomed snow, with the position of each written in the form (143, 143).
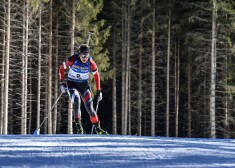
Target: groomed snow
(93, 151)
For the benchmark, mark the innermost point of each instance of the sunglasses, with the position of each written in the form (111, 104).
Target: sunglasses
(84, 55)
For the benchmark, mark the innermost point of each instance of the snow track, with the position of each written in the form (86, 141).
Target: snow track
(88, 151)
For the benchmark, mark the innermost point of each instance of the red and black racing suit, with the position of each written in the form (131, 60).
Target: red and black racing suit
(78, 84)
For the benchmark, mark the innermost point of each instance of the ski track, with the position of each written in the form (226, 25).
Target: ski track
(93, 151)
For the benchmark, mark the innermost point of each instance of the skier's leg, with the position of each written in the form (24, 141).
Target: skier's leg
(75, 98)
(88, 101)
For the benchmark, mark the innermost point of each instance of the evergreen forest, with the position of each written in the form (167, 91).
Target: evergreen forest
(166, 66)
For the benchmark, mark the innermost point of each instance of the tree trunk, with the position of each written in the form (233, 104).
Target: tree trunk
(114, 87)
(70, 128)
(54, 124)
(6, 87)
(140, 73)
(177, 76)
(49, 91)
(213, 71)
(127, 87)
(153, 76)
(124, 64)
(30, 97)
(129, 104)
(189, 95)
(3, 72)
(39, 65)
(24, 73)
(226, 110)
(168, 76)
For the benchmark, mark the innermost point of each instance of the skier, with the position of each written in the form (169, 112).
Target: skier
(80, 65)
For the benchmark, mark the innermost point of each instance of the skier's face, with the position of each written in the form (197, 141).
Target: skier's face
(84, 57)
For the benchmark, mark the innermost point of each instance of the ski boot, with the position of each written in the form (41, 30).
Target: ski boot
(78, 124)
(98, 129)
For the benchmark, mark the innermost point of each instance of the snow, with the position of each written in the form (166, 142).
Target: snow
(111, 151)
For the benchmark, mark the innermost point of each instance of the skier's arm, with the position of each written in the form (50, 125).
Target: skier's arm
(68, 62)
(96, 74)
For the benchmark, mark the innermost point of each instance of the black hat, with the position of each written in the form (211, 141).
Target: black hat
(84, 48)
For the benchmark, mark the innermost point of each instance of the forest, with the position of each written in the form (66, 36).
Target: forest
(166, 66)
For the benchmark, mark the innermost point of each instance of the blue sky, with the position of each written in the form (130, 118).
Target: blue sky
(88, 151)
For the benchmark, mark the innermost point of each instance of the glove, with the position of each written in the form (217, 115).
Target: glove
(63, 87)
(99, 95)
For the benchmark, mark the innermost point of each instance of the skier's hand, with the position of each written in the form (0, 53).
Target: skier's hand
(99, 95)
(63, 86)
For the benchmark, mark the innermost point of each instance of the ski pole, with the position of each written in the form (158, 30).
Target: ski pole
(89, 37)
(96, 110)
(37, 131)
